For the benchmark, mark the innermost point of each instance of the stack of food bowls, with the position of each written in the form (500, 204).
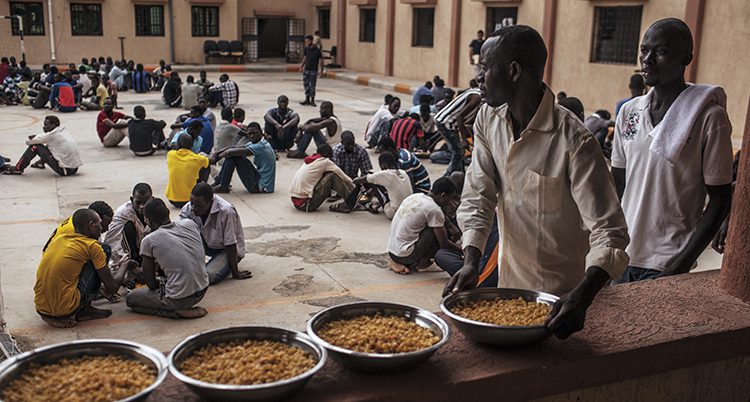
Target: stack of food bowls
(260, 392)
(372, 362)
(483, 332)
(152, 358)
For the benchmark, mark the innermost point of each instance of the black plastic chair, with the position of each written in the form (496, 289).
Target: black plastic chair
(224, 48)
(210, 48)
(237, 50)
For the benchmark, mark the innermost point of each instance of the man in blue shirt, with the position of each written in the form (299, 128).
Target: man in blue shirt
(426, 90)
(207, 133)
(258, 176)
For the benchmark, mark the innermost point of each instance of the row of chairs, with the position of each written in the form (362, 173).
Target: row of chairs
(224, 48)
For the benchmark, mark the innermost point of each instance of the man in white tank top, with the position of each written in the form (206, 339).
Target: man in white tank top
(325, 129)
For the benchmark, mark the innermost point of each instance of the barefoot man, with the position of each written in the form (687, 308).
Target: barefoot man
(71, 272)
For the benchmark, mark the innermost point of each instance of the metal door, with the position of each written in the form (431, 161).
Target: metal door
(296, 40)
(250, 38)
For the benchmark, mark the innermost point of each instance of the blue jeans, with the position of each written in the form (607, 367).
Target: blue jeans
(218, 266)
(453, 140)
(249, 176)
(635, 274)
(280, 141)
(308, 136)
(309, 80)
(89, 282)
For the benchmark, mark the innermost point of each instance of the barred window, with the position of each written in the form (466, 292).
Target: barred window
(205, 21)
(616, 34)
(498, 17)
(86, 19)
(324, 22)
(423, 26)
(367, 25)
(32, 15)
(149, 20)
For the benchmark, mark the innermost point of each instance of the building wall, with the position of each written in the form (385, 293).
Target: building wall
(366, 56)
(189, 49)
(421, 63)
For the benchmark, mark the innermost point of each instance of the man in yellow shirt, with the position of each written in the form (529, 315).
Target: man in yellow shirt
(186, 168)
(71, 272)
(66, 227)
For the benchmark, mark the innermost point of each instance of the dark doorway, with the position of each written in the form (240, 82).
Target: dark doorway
(272, 37)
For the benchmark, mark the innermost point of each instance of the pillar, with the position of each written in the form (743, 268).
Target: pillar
(341, 32)
(735, 268)
(548, 34)
(455, 43)
(694, 18)
(389, 36)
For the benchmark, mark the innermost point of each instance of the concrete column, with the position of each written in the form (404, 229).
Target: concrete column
(455, 43)
(548, 34)
(390, 22)
(735, 268)
(341, 32)
(694, 18)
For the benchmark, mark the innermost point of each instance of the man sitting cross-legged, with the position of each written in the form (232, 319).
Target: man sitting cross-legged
(66, 227)
(351, 157)
(226, 134)
(325, 129)
(418, 228)
(145, 135)
(222, 233)
(315, 179)
(281, 125)
(55, 148)
(176, 249)
(71, 272)
(390, 186)
(128, 228)
(111, 126)
(206, 133)
(258, 176)
(193, 131)
(186, 168)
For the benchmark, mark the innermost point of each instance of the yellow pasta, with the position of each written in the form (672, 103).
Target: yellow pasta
(378, 334)
(505, 312)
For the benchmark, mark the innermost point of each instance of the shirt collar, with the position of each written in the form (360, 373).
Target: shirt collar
(216, 205)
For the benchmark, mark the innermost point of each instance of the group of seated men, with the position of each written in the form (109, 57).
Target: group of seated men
(160, 262)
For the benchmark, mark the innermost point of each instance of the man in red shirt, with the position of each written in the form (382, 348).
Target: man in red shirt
(62, 98)
(4, 68)
(407, 132)
(111, 126)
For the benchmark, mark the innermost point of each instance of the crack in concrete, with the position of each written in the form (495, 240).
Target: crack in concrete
(321, 250)
(299, 284)
(254, 232)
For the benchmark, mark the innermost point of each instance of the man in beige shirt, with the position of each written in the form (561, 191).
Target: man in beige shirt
(562, 230)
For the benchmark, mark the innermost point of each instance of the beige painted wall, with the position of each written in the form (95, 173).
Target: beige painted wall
(366, 56)
(724, 58)
(422, 63)
(189, 49)
(597, 85)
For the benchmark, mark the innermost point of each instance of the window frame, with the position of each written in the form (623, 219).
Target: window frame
(491, 10)
(415, 35)
(149, 25)
(325, 33)
(363, 38)
(14, 31)
(628, 52)
(87, 8)
(205, 34)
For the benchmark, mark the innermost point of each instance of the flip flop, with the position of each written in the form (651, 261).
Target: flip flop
(340, 207)
(37, 165)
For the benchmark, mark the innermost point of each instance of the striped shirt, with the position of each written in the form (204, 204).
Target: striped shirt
(420, 179)
(403, 130)
(448, 115)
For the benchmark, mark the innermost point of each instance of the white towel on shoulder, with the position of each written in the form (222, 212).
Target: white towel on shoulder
(672, 133)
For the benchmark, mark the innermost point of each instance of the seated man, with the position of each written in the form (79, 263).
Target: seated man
(71, 272)
(38, 92)
(117, 75)
(128, 229)
(176, 249)
(407, 133)
(313, 129)
(451, 261)
(407, 161)
(226, 92)
(418, 228)
(186, 168)
(221, 230)
(428, 124)
(66, 227)
(145, 135)
(55, 148)
(226, 134)
(190, 93)
(111, 126)
(390, 186)
(193, 131)
(172, 91)
(281, 125)
(351, 157)
(380, 122)
(207, 131)
(94, 98)
(313, 182)
(62, 98)
(206, 112)
(140, 79)
(238, 119)
(258, 176)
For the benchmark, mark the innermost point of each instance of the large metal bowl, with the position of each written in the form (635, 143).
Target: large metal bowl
(483, 332)
(15, 366)
(261, 392)
(378, 363)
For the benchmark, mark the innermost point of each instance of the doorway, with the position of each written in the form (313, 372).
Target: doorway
(272, 37)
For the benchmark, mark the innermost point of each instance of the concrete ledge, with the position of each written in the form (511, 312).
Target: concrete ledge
(635, 330)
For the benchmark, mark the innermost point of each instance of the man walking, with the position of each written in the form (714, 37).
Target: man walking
(311, 63)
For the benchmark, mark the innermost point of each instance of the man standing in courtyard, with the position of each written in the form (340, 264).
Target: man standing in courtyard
(562, 227)
(672, 147)
(311, 63)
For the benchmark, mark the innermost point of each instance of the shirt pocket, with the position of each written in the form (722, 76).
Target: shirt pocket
(543, 193)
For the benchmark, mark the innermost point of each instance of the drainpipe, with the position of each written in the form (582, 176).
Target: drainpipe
(548, 34)
(51, 31)
(455, 43)
(171, 33)
(341, 32)
(389, 37)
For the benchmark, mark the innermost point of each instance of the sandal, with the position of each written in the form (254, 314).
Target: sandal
(340, 207)
(372, 209)
(13, 171)
(37, 165)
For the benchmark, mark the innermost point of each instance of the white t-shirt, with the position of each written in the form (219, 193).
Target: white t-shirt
(398, 186)
(334, 139)
(663, 203)
(383, 115)
(417, 212)
(62, 146)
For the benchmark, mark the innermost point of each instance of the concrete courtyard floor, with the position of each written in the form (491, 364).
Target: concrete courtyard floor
(301, 263)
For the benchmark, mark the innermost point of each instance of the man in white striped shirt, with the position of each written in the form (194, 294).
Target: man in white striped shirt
(454, 121)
